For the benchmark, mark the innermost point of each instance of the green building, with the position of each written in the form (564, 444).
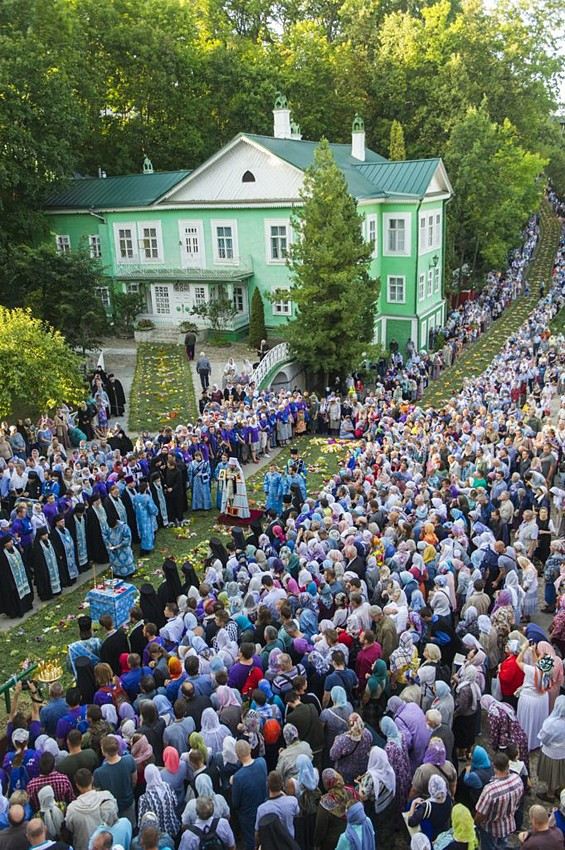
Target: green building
(178, 236)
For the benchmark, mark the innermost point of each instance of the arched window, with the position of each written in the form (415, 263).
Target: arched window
(248, 177)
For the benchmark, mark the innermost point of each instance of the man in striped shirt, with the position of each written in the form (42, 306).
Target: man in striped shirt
(497, 804)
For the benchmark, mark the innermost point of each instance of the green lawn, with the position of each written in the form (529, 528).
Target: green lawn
(47, 632)
(162, 392)
(477, 356)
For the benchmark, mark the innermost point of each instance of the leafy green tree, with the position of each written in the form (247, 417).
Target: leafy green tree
(497, 189)
(40, 120)
(219, 311)
(329, 262)
(37, 367)
(126, 308)
(60, 289)
(396, 150)
(257, 329)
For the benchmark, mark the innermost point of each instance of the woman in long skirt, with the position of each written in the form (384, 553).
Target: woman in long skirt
(551, 764)
(533, 702)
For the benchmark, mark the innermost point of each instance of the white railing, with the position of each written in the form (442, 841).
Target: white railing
(278, 354)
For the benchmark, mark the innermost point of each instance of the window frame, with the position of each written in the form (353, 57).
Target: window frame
(217, 223)
(103, 293)
(437, 280)
(132, 227)
(94, 246)
(421, 286)
(197, 291)
(199, 260)
(279, 308)
(372, 219)
(238, 293)
(424, 245)
(424, 334)
(406, 217)
(430, 284)
(63, 243)
(395, 277)
(276, 222)
(156, 225)
(164, 288)
(133, 287)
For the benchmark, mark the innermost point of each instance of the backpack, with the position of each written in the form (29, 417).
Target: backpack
(308, 801)
(119, 696)
(209, 838)
(80, 722)
(271, 731)
(19, 778)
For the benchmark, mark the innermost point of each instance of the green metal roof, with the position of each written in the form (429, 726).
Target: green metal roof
(133, 190)
(410, 177)
(300, 153)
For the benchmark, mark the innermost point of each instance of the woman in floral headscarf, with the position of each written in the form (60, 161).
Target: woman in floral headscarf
(533, 702)
(350, 751)
(331, 815)
(504, 727)
(397, 754)
(502, 618)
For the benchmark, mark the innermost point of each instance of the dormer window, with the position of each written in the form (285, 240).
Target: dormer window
(248, 177)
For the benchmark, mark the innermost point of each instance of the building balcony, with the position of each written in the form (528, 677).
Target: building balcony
(235, 270)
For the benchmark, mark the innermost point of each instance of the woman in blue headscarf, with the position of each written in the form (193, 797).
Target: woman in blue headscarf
(308, 623)
(359, 834)
(334, 720)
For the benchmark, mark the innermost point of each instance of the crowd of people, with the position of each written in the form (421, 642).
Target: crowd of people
(363, 666)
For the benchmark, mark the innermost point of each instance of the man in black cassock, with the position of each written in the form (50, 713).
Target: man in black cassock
(16, 592)
(94, 540)
(116, 395)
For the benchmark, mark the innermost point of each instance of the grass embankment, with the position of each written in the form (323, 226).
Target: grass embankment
(162, 392)
(46, 633)
(477, 356)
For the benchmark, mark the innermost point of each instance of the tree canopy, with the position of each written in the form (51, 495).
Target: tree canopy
(37, 367)
(94, 83)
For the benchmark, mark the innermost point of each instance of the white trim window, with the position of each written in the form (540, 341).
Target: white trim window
(133, 288)
(424, 335)
(191, 238)
(103, 293)
(421, 287)
(161, 299)
(125, 241)
(238, 299)
(94, 246)
(371, 222)
(63, 244)
(150, 242)
(282, 307)
(396, 289)
(224, 239)
(277, 237)
(436, 280)
(430, 231)
(397, 234)
(430, 282)
(199, 296)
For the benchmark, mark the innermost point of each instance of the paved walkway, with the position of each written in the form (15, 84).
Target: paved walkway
(218, 358)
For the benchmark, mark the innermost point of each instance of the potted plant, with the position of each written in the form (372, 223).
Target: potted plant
(143, 330)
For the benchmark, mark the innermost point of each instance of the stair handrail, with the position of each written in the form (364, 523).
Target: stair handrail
(278, 354)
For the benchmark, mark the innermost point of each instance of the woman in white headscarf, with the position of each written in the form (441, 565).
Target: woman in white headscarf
(518, 595)
(213, 732)
(488, 640)
(467, 705)
(551, 764)
(50, 812)
(378, 785)
(160, 799)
